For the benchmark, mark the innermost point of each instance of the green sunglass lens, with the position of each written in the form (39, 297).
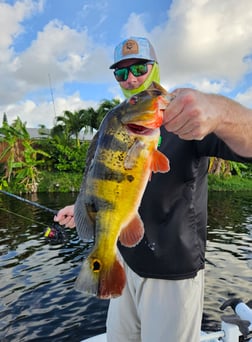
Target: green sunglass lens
(121, 74)
(138, 69)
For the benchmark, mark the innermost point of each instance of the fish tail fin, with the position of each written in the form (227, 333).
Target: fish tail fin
(160, 163)
(101, 280)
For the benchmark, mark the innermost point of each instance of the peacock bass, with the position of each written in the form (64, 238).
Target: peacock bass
(120, 161)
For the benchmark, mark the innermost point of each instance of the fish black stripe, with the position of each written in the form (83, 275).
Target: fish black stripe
(98, 203)
(103, 172)
(110, 142)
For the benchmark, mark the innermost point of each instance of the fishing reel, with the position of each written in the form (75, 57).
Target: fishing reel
(55, 234)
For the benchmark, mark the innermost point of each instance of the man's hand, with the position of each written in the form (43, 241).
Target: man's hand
(191, 114)
(65, 216)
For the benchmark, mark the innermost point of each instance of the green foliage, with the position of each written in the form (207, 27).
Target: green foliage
(12, 136)
(70, 158)
(248, 171)
(60, 181)
(21, 166)
(26, 171)
(68, 154)
(71, 124)
(103, 109)
(221, 167)
(234, 183)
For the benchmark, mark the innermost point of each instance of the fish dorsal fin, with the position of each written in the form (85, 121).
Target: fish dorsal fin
(85, 224)
(160, 163)
(133, 233)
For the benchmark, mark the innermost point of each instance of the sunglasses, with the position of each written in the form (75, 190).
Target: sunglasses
(139, 69)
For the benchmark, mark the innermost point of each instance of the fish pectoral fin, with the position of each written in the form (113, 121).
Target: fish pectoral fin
(160, 163)
(133, 154)
(133, 233)
(85, 224)
(97, 279)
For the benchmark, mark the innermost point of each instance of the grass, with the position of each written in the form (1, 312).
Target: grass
(234, 183)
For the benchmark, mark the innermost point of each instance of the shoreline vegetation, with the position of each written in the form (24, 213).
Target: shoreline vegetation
(70, 182)
(232, 183)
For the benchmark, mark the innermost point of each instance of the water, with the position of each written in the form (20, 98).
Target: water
(37, 298)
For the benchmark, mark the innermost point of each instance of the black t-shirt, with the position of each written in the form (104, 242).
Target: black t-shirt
(174, 210)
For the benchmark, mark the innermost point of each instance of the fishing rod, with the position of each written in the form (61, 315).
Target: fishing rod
(35, 204)
(54, 234)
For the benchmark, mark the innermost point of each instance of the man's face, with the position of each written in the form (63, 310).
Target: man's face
(133, 82)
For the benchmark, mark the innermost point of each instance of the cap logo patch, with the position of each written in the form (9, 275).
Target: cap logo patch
(130, 47)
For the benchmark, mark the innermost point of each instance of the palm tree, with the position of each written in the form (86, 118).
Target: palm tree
(90, 118)
(71, 124)
(104, 108)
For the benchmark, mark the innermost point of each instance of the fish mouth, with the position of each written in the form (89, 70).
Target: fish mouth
(140, 130)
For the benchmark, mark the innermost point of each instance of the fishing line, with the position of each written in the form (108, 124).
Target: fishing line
(23, 217)
(54, 234)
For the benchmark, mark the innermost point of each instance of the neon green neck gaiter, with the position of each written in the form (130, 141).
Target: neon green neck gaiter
(153, 76)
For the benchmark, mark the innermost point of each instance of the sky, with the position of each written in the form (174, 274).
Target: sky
(55, 54)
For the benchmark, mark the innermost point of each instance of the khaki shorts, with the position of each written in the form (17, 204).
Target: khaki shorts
(156, 310)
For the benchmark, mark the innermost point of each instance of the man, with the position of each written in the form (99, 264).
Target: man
(163, 297)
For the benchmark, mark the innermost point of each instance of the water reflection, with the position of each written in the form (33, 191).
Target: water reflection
(229, 252)
(37, 299)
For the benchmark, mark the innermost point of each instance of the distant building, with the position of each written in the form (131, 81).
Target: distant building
(86, 134)
(35, 133)
(40, 133)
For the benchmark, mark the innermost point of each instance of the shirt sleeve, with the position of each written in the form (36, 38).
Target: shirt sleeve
(212, 146)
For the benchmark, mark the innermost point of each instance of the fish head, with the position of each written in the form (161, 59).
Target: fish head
(143, 112)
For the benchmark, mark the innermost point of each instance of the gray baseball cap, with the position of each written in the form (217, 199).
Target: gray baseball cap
(134, 47)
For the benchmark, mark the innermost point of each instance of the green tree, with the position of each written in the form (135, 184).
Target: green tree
(21, 157)
(5, 120)
(71, 124)
(104, 108)
(93, 118)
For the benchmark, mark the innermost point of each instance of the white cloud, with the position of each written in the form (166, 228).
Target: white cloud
(52, 51)
(12, 17)
(62, 52)
(44, 113)
(134, 26)
(205, 39)
(245, 98)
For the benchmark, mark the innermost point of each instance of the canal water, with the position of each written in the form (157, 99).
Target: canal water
(37, 297)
